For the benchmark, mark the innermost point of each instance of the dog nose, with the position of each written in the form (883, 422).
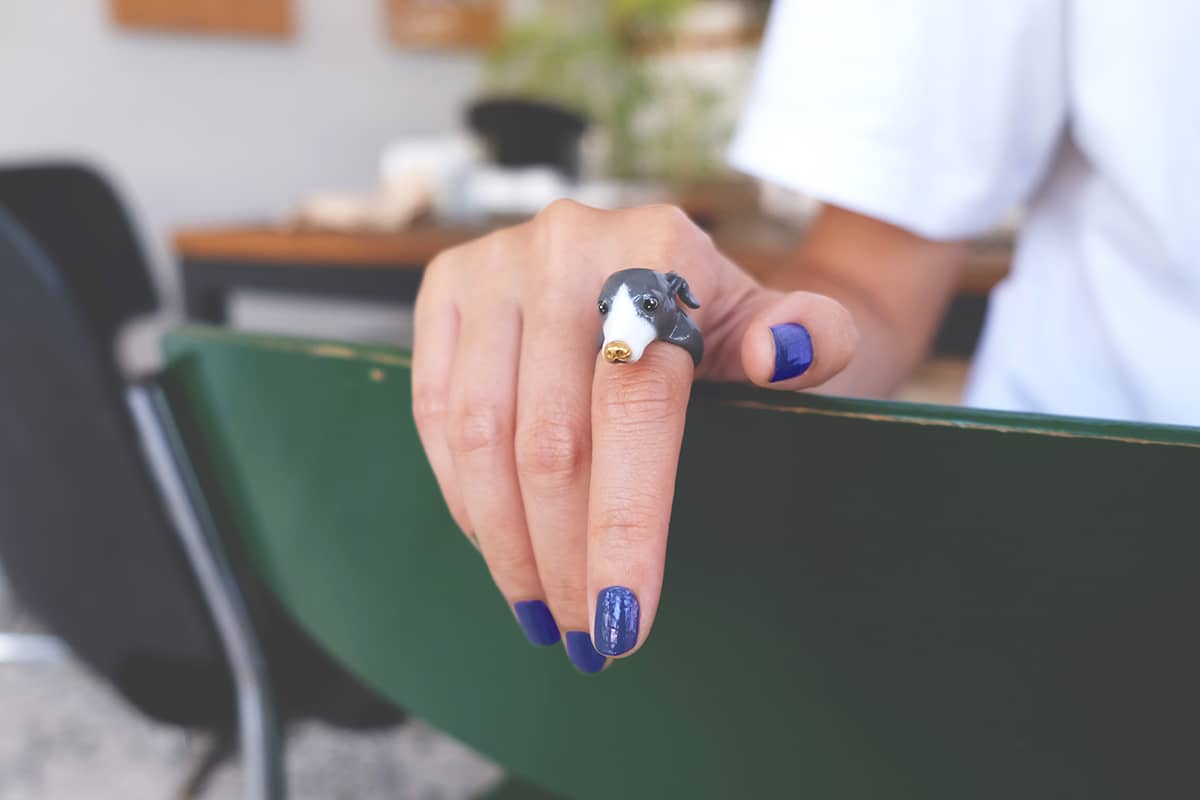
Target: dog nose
(617, 352)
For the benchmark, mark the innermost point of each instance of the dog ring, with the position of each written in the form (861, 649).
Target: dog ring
(639, 306)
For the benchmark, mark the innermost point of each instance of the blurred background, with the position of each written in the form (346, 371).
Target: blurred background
(290, 166)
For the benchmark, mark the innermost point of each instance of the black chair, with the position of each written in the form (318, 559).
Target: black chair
(86, 539)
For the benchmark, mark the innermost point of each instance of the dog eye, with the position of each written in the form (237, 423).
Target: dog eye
(603, 306)
(649, 303)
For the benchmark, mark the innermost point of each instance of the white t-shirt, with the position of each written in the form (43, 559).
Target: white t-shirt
(942, 115)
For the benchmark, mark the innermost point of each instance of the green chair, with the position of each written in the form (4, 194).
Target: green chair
(862, 599)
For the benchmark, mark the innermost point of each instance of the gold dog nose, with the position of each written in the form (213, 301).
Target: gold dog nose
(617, 352)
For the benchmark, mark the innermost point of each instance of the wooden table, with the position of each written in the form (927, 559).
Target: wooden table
(216, 261)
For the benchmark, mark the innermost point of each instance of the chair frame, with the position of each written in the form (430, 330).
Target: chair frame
(261, 738)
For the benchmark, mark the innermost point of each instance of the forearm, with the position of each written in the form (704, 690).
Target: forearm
(896, 286)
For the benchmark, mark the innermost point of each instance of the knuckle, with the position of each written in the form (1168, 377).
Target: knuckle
(441, 269)
(496, 245)
(559, 234)
(670, 236)
(432, 279)
(668, 215)
(671, 222)
(626, 526)
(439, 264)
(559, 230)
(429, 405)
(508, 561)
(645, 397)
(560, 213)
(477, 426)
(551, 447)
(434, 270)
(463, 263)
(565, 591)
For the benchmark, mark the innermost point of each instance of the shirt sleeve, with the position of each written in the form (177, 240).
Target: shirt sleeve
(938, 116)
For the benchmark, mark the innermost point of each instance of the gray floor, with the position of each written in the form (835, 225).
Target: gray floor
(65, 735)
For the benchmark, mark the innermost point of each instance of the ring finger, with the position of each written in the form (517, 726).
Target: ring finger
(481, 427)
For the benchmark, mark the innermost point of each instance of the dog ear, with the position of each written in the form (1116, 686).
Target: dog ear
(678, 286)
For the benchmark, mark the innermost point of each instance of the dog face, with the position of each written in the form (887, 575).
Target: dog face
(637, 307)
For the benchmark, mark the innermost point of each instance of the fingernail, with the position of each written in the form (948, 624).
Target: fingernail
(793, 351)
(616, 621)
(537, 622)
(582, 654)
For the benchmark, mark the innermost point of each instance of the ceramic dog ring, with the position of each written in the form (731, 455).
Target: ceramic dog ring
(639, 306)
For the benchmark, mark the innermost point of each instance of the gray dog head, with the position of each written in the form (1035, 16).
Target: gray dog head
(639, 306)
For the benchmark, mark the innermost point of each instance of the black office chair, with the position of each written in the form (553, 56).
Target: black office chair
(85, 538)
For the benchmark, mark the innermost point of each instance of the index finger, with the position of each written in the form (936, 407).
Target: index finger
(638, 415)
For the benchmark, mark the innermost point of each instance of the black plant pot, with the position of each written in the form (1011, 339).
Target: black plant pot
(524, 133)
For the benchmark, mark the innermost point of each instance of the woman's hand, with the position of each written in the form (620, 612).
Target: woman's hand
(560, 466)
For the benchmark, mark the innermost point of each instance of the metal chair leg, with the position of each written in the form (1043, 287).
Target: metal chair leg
(261, 740)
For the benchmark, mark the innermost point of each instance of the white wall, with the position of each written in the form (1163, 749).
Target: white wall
(209, 129)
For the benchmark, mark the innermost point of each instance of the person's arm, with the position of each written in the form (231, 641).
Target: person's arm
(936, 116)
(895, 284)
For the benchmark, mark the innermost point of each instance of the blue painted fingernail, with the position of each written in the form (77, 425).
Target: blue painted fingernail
(582, 654)
(537, 621)
(616, 621)
(793, 351)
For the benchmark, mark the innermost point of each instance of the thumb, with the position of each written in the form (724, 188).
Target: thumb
(797, 340)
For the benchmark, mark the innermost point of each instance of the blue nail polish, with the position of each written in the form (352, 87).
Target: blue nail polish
(617, 614)
(537, 621)
(793, 351)
(582, 654)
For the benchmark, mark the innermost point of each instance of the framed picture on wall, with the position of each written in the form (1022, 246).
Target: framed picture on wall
(444, 23)
(266, 18)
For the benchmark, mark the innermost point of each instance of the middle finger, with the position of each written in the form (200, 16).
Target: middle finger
(553, 460)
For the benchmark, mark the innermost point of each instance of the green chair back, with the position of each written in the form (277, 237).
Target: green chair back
(862, 599)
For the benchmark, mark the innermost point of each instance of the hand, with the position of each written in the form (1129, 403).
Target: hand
(560, 466)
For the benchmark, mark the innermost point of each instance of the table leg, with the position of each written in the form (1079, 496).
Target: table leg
(205, 303)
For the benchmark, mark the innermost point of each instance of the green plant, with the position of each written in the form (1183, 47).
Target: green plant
(654, 15)
(584, 55)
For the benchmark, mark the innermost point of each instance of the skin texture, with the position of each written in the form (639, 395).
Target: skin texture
(562, 466)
